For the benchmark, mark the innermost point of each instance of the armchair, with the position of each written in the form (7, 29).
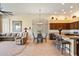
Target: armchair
(20, 39)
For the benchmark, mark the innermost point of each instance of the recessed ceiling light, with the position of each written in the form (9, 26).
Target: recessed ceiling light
(71, 7)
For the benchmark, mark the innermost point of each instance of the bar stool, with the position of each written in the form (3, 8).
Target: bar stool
(64, 43)
(58, 41)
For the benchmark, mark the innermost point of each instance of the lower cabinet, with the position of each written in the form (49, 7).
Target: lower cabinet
(50, 36)
(77, 49)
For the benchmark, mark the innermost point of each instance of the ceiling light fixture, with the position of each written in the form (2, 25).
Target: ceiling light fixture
(5, 12)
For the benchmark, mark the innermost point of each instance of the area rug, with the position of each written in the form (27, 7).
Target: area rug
(9, 48)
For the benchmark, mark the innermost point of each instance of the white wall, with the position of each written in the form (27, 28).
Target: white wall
(5, 24)
(0, 23)
(26, 20)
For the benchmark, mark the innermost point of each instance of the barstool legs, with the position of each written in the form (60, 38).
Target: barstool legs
(69, 50)
(64, 47)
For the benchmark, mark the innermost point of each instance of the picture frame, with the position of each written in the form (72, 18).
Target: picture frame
(17, 26)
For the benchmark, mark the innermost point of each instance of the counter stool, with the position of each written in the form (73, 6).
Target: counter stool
(64, 43)
(61, 44)
(58, 42)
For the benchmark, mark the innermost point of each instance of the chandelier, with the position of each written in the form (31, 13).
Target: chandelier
(39, 21)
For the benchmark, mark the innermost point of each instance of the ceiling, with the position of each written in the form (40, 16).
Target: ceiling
(42, 8)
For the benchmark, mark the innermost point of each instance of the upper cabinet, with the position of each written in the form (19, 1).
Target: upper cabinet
(59, 25)
(73, 25)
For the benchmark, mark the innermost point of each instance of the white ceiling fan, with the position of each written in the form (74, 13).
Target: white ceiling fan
(4, 11)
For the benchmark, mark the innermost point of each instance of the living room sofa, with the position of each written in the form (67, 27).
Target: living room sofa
(7, 36)
(19, 38)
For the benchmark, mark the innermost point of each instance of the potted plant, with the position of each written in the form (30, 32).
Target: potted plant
(60, 29)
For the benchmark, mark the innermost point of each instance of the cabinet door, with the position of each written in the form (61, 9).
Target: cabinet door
(72, 25)
(75, 25)
(78, 25)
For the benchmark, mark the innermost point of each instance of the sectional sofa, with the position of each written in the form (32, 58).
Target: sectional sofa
(19, 38)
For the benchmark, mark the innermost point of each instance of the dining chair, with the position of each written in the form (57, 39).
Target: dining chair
(45, 37)
(39, 38)
(34, 38)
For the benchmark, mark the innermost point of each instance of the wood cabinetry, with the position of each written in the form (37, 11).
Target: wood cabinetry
(78, 24)
(77, 50)
(73, 25)
(59, 25)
